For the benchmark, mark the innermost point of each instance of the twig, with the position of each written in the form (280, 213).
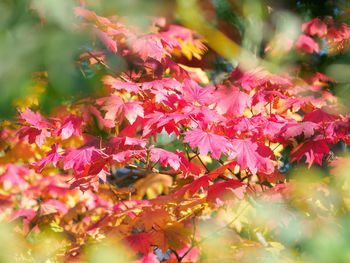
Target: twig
(176, 255)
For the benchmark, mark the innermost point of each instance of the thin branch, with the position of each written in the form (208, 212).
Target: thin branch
(238, 176)
(176, 255)
(199, 158)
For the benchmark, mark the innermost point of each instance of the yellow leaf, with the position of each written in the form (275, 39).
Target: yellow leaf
(153, 185)
(197, 74)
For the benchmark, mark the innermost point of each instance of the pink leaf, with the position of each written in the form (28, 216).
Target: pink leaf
(120, 85)
(307, 44)
(165, 158)
(70, 126)
(35, 119)
(195, 93)
(315, 27)
(13, 177)
(207, 142)
(307, 128)
(231, 101)
(79, 158)
(252, 155)
(51, 157)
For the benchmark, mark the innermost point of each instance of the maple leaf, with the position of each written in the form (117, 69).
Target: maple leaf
(118, 109)
(252, 155)
(165, 158)
(319, 116)
(315, 27)
(149, 46)
(125, 156)
(306, 127)
(156, 121)
(187, 167)
(140, 242)
(231, 101)
(307, 44)
(71, 125)
(313, 149)
(177, 72)
(207, 142)
(154, 217)
(272, 177)
(227, 190)
(116, 144)
(160, 84)
(35, 119)
(94, 118)
(135, 141)
(173, 236)
(250, 79)
(249, 125)
(204, 115)
(51, 157)
(338, 130)
(79, 158)
(202, 182)
(274, 125)
(121, 85)
(34, 135)
(195, 93)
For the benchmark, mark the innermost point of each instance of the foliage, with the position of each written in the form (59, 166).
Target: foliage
(177, 157)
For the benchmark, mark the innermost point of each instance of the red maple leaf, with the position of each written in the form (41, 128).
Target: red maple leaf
(202, 182)
(140, 242)
(33, 135)
(156, 121)
(313, 150)
(227, 190)
(319, 116)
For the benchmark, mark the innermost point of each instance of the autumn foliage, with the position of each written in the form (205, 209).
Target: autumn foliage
(165, 165)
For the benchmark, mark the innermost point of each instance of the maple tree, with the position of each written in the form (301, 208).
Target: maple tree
(165, 165)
